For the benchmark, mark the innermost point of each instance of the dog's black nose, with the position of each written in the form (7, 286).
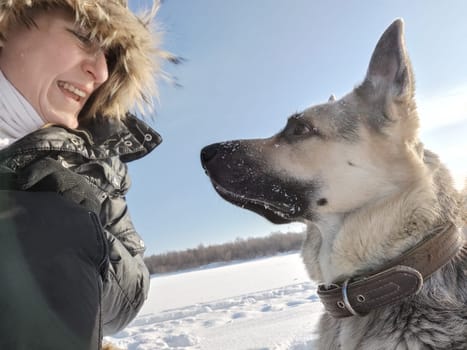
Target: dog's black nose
(208, 153)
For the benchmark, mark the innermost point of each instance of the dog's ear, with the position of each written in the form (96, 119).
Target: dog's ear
(390, 74)
(389, 86)
(332, 98)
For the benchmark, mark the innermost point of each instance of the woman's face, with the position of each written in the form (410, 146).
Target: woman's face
(54, 66)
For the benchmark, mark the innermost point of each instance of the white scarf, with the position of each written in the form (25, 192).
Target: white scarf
(17, 117)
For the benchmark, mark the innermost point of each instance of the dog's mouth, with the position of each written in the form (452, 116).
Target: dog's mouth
(274, 212)
(242, 177)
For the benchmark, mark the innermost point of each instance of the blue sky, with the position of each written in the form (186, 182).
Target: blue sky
(252, 63)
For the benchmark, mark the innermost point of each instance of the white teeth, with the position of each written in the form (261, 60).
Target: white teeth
(72, 89)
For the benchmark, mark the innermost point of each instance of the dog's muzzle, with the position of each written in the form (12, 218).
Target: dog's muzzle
(241, 176)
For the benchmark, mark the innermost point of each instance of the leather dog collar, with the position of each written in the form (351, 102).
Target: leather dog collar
(399, 279)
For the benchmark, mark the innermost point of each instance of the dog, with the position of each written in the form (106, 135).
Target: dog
(384, 235)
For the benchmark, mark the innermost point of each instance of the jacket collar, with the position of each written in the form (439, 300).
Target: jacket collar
(130, 138)
(99, 138)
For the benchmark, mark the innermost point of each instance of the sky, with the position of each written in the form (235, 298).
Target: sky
(248, 65)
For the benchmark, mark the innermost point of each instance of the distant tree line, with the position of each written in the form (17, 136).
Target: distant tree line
(240, 249)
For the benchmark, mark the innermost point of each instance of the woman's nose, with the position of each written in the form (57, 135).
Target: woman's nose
(96, 66)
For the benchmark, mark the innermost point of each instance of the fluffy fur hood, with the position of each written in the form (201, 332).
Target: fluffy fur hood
(132, 43)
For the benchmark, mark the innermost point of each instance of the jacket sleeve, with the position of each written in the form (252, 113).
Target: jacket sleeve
(125, 287)
(127, 283)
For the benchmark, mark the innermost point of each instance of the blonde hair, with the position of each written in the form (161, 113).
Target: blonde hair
(132, 44)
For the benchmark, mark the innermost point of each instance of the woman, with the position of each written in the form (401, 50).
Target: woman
(71, 262)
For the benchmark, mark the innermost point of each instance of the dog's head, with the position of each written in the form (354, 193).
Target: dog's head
(333, 157)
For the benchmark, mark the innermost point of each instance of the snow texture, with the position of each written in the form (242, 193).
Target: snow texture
(264, 304)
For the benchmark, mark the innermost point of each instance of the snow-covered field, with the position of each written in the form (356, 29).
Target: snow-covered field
(263, 304)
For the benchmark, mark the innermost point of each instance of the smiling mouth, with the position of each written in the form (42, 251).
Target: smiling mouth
(72, 91)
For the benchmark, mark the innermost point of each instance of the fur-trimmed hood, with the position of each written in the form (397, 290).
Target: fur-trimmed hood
(132, 43)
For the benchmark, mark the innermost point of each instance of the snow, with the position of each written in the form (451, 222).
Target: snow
(263, 304)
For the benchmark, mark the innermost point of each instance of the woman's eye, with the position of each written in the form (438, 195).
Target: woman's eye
(81, 37)
(85, 40)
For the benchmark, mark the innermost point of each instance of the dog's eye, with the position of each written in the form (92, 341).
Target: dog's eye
(297, 127)
(301, 129)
